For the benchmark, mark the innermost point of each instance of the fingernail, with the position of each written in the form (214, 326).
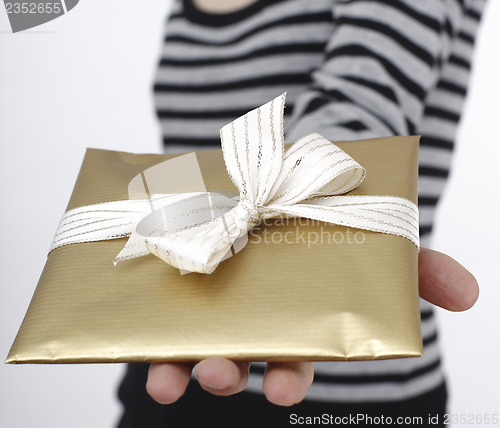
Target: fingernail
(199, 373)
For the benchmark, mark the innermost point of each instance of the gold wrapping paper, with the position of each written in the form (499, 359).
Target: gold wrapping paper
(272, 301)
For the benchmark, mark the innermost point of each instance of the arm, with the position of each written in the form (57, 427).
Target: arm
(383, 58)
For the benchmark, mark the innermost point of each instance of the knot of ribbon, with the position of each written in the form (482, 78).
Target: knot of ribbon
(195, 231)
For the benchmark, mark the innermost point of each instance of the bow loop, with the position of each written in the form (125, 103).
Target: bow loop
(314, 166)
(253, 147)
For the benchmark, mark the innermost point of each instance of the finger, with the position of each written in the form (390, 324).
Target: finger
(286, 384)
(221, 376)
(445, 282)
(167, 382)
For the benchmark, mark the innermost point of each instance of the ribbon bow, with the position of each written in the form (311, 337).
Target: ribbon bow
(305, 181)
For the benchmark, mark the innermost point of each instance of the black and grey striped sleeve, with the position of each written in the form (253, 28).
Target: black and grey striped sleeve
(442, 113)
(382, 62)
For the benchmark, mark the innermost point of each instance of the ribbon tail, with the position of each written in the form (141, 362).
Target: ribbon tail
(135, 247)
(197, 249)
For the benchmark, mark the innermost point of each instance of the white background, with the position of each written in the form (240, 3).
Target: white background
(84, 80)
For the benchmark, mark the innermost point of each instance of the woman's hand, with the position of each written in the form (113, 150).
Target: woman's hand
(442, 281)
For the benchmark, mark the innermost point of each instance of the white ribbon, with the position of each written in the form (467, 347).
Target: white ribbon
(195, 231)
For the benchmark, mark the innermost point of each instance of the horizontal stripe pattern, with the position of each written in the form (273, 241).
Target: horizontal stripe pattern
(314, 32)
(308, 18)
(300, 63)
(275, 15)
(277, 49)
(352, 70)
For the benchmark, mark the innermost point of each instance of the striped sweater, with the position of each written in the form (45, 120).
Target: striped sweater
(353, 69)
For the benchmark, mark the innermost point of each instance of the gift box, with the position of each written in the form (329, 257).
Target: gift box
(294, 289)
